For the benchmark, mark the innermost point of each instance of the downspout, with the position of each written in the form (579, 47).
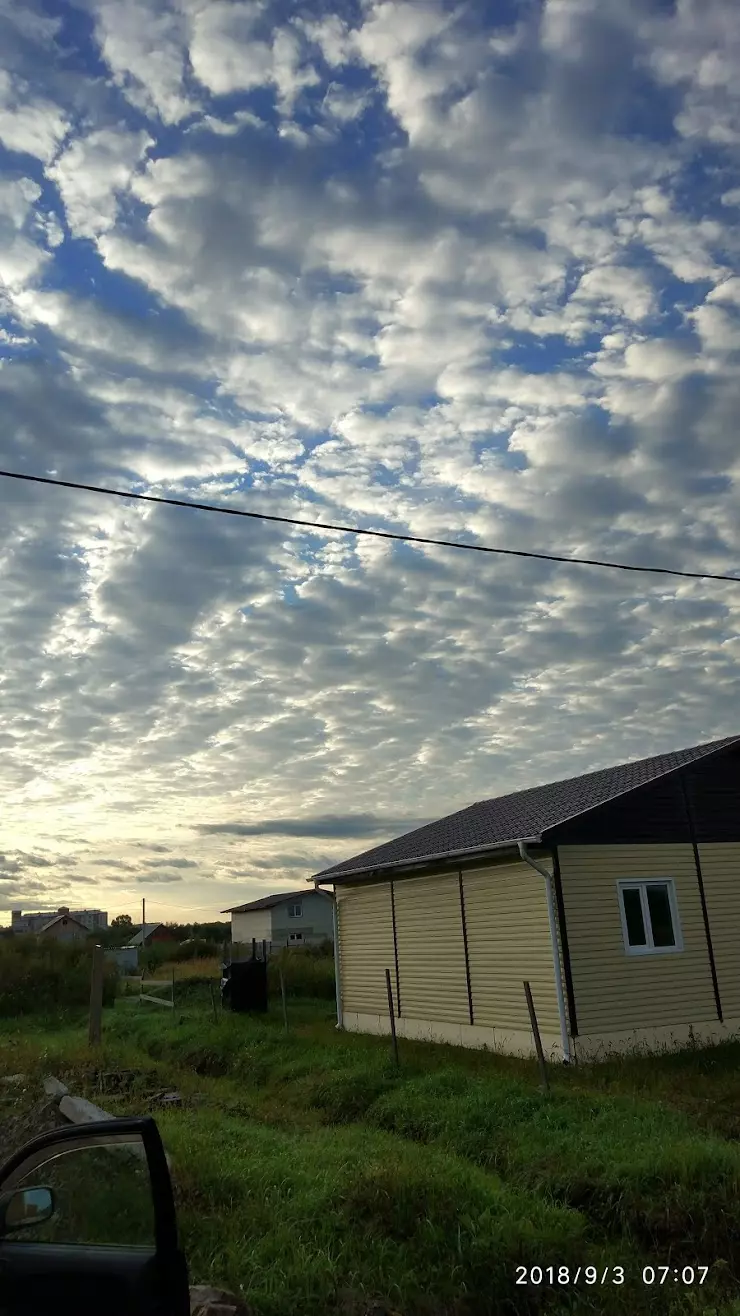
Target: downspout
(564, 1038)
(335, 930)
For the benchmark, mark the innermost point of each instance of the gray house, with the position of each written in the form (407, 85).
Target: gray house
(290, 918)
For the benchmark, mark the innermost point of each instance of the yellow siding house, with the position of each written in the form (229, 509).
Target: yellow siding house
(616, 895)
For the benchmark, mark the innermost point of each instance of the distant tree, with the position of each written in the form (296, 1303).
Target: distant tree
(119, 933)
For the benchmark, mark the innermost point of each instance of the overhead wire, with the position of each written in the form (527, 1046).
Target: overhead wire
(317, 526)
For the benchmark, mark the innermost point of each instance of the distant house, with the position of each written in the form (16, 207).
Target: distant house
(92, 919)
(64, 927)
(151, 933)
(290, 918)
(615, 894)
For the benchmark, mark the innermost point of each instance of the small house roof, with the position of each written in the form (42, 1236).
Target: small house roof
(69, 918)
(145, 931)
(521, 816)
(269, 902)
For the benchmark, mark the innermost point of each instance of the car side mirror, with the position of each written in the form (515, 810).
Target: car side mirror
(25, 1207)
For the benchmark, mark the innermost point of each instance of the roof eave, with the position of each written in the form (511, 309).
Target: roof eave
(399, 865)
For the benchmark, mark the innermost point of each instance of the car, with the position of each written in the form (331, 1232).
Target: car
(88, 1225)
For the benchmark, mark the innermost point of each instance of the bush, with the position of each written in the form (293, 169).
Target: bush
(40, 976)
(307, 971)
(176, 952)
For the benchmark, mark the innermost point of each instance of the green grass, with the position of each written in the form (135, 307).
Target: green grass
(313, 1176)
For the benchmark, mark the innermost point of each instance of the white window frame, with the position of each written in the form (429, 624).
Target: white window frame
(295, 936)
(641, 883)
(295, 910)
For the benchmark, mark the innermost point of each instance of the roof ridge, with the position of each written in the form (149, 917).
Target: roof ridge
(593, 772)
(552, 805)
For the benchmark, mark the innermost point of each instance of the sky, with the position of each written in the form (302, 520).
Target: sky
(465, 271)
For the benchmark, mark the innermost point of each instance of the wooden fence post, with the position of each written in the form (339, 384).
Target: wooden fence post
(96, 997)
(537, 1039)
(391, 1014)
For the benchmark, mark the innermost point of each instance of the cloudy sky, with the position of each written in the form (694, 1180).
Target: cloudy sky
(395, 264)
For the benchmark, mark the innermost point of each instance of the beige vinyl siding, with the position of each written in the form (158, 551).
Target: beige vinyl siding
(508, 942)
(365, 929)
(720, 867)
(615, 991)
(431, 949)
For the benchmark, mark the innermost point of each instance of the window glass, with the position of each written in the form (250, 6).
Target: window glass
(633, 916)
(101, 1195)
(661, 920)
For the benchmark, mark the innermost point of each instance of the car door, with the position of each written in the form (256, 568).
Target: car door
(88, 1226)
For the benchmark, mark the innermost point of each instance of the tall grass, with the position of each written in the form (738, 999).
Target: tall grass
(314, 1176)
(307, 972)
(42, 976)
(318, 1222)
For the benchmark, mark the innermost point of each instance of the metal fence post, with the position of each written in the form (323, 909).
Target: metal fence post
(391, 1014)
(537, 1039)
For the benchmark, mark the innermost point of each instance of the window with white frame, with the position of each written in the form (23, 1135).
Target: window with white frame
(296, 936)
(649, 916)
(295, 911)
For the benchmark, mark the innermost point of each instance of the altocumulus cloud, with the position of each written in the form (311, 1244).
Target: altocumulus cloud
(327, 825)
(461, 271)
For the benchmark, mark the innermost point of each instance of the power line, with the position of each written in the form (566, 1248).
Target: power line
(376, 534)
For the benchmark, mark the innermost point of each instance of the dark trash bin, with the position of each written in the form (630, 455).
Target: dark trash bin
(244, 986)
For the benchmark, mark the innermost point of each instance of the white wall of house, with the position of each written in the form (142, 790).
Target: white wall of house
(257, 923)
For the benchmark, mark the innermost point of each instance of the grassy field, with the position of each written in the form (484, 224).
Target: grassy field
(313, 1177)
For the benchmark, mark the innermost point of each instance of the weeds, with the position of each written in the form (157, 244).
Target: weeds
(39, 976)
(313, 1176)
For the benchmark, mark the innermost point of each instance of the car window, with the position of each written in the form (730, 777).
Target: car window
(102, 1195)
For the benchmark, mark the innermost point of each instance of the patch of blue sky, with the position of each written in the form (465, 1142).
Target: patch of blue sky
(17, 164)
(43, 346)
(703, 177)
(536, 354)
(648, 112)
(676, 298)
(498, 444)
(259, 101)
(76, 49)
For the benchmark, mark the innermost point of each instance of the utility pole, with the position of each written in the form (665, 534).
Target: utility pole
(143, 920)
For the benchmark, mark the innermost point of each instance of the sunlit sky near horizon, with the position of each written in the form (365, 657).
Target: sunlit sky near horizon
(462, 271)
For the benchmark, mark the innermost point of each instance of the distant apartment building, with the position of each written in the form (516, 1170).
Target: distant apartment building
(93, 919)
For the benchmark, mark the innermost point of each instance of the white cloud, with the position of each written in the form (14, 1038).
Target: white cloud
(29, 124)
(21, 258)
(144, 45)
(464, 283)
(92, 173)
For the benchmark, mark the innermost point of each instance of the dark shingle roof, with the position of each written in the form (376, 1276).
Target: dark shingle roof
(269, 902)
(522, 816)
